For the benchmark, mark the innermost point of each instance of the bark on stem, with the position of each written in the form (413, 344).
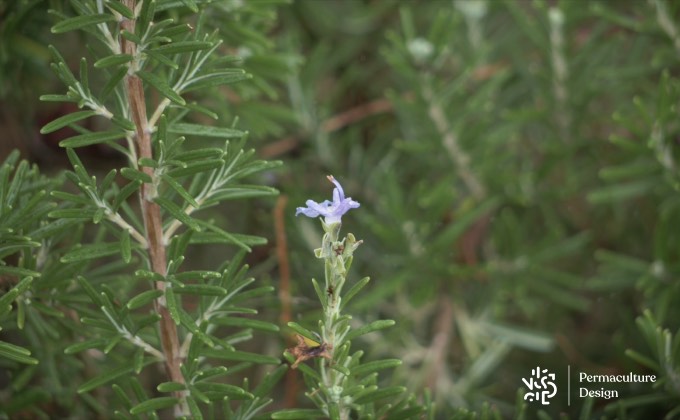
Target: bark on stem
(151, 212)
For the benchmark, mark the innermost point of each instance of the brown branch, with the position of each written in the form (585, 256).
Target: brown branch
(355, 114)
(292, 386)
(333, 123)
(438, 350)
(151, 212)
(282, 256)
(452, 145)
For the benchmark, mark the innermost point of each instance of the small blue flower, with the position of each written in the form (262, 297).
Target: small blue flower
(332, 211)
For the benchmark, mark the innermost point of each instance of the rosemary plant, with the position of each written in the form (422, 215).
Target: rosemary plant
(126, 298)
(342, 385)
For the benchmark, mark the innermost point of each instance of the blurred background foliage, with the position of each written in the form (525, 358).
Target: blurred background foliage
(516, 163)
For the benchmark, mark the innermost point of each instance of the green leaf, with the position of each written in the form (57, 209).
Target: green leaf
(107, 181)
(630, 170)
(298, 413)
(7, 298)
(463, 222)
(16, 353)
(191, 4)
(89, 290)
(221, 236)
(113, 60)
(241, 191)
(119, 7)
(146, 15)
(131, 36)
(154, 404)
(196, 167)
(113, 81)
(80, 22)
(123, 123)
(239, 322)
(171, 302)
(144, 298)
(105, 378)
(180, 190)
(189, 323)
(79, 214)
(642, 359)
(86, 345)
(171, 387)
(193, 106)
(135, 175)
(90, 252)
(380, 394)
(148, 162)
(303, 331)
(516, 336)
(211, 373)
(175, 30)
(57, 98)
(375, 366)
(162, 87)
(341, 369)
(220, 78)
(113, 342)
(84, 78)
(162, 59)
(268, 383)
(205, 131)
(66, 120)
(149, 275)
(92, 138)
(620, 192)
(177, 213)
(368, 328)
(224, 390)
(125, 247)
(194, 409)
(356, 287)
(202, 290)
(334, 411)
(45, 309)
(320, 294)
(138, 360)
(18, 271)
(124, 193)
(182, 47)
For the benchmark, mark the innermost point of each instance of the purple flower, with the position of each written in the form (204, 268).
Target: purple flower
(331, 210)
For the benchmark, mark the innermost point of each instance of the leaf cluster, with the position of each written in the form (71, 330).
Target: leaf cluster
(108, 299)
(519, 164)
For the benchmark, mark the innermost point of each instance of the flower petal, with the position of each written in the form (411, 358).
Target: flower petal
(332, 211)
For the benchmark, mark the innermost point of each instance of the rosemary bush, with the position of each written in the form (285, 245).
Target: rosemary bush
(102, 277)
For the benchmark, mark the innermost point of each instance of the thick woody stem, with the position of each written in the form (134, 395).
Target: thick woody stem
(151, 212)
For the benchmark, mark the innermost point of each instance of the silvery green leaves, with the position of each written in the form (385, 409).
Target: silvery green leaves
(23, 209)
(142, 302)
(341, 386)
(169, 57)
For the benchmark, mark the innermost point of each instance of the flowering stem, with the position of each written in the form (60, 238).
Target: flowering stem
(337, 255)
(335, 278)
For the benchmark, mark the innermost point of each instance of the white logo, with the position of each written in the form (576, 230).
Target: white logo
(540, 384)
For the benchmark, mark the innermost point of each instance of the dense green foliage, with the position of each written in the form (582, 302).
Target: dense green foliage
(516, 164)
